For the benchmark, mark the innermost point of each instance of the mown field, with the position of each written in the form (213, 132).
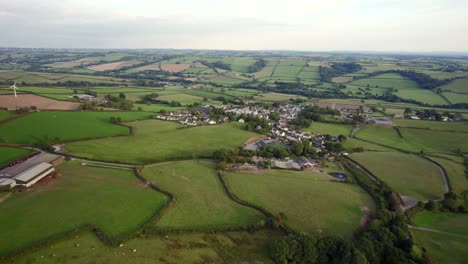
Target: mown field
(64, 126)
(200, 200)
(458, 86)
(311, 202)
(441, 247)
(434, 125)
(5, 114)
(112, 199)
(8, 155)
(442, 221)
(416, 139)
(276, 97)
(162, 140)
(329, 128)
(447, 247)
(407, 174)
(456, 173)
(226, 247)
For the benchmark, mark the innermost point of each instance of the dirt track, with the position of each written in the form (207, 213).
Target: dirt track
(42, 103)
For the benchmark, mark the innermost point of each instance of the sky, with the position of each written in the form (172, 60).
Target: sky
(313, 25)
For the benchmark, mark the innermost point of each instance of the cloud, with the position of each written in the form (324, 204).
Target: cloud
(243, 24)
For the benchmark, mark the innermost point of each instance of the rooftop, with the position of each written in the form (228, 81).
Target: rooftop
(33, 172)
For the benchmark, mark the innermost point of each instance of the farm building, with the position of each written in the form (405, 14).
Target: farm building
(30, 171)
(286, 165)
(6, 183)
(84, 97)
(305, 162)
(33, 174)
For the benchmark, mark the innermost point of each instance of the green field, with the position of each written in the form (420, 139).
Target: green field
(310, 200)
(415, 140)
(5, 114)
(162, 140)
(407, 174)
(458, 86)
(434, 125)
(442, 247)
(65, 126)
(226, 247)
(276, 97)
(384, 135)
(156, 107)
(456, 173)
(447, 222)
(387, 80)
(112, 199)
(329, 128)
(8, 155)
(449, 247)
(200, 200)
(456, 98)
(436, 141)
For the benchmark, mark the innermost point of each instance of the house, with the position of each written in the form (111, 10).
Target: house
(241, 120)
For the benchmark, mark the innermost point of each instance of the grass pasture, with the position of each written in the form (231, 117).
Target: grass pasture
(112, 199)
(156, 140)
(457, 86)
(384, 135)
(5, 114)
(436, 141)
(407, 174)
(443, 221)
(446, 247)
(442, 247)
(8, 155)
(456, 173)
(432, 125)
(329, 128)
(310, 200)
(456, 98)
(200, 200)
(276, 97)
(64, 126)
(226, 247)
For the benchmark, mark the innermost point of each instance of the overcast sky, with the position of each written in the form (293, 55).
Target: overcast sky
(325, 25)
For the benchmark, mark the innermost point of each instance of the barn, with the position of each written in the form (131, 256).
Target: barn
(34, 174)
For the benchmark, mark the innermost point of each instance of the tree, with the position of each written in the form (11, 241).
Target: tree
(205, 99)
(122, 96)
(408, 111)
(431, 205)
(297, 148)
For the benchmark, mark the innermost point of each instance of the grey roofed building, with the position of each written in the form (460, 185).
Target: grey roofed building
(287, 165)
(85, 97)
(33, 174)
(304, 162)
(8, 183)
(16, 169)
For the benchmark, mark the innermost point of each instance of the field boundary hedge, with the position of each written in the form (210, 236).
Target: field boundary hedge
(99, 232)
(272, 223)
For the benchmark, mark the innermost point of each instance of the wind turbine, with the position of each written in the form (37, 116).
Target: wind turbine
(14, 88)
